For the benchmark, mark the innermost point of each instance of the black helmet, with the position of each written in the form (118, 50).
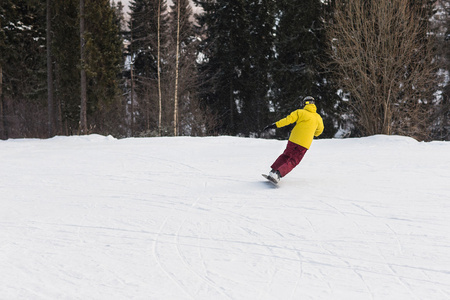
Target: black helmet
(308, 100)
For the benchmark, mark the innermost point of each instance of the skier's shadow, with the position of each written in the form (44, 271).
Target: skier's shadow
(269, 184)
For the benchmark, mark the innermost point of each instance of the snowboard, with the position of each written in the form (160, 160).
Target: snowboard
(270, 180)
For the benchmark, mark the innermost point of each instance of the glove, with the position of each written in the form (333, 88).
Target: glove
(271, 126)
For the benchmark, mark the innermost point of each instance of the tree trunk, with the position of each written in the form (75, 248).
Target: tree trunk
(3, 134)
(50, 100)
(132, 82)
(83, 117)
(132, 99)
(175, 111)
(159, 71)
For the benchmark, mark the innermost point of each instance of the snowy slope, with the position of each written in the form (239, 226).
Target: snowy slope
(191, 218)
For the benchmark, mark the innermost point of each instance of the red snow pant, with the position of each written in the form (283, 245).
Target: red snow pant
(290, 158)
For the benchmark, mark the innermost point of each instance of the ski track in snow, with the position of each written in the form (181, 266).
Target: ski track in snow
(191, 218)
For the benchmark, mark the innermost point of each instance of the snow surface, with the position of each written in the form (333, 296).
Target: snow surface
(192, 218)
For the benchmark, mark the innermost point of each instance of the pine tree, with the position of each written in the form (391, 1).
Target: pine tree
(300, 51)
(235, 55)
(102, 63)
(50, 88)
(83, 65)
(22, 61)
(66, 56)
(222, 52)
(446, 92)
(24, 45)
(5, 16)
(255, 83)
(441, 29)
(104, 58)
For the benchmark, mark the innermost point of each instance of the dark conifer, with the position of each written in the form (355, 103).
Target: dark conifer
(300, 52)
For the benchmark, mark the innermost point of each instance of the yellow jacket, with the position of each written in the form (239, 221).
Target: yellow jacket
(309, 124)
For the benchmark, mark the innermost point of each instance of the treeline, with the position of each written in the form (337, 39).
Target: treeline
(80, 66)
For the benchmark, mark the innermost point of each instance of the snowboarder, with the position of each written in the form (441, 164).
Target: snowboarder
(308, 124)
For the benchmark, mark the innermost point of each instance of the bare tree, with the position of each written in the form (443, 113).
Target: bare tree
(177, 55)
(383, 58)
(132, 99)
(159, 69)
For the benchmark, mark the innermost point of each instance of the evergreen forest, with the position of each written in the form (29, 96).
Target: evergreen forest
(223, 67)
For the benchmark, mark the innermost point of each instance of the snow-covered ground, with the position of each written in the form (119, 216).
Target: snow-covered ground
(191, 218)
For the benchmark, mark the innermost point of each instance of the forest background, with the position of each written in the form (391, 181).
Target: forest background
(82, 66)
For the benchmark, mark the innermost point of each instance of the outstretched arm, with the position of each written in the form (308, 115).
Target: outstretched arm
(292, 118)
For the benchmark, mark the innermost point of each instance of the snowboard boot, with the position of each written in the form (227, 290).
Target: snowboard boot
(274, 176)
